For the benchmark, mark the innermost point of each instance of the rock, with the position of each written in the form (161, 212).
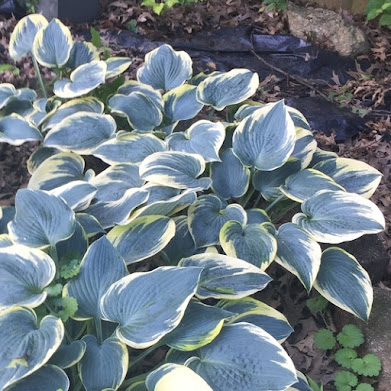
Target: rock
(323, 25)
(377, 333)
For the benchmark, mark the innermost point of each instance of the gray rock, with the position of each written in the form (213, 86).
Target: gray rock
(377, 333)
(322, 25)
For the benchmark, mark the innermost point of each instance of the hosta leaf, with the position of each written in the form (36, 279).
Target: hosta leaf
(25, 346)
(48, 378)
(135, 86)
(143, 237)
(321, 155)
(140, 110)
(207, 216)
(24, 273)
(200, 325)
(175, 169)
(82, 53)
(233, 361)
(204, 138)
(22, 38)
(81, 132)
(353, 175)
(7, 213)
(302, 384)
(296, 185)
(305, 146)
(50, 221)
(174, 377)
(56, 171)
(15, 130)
(129, 148)
(83, 79)
(299, 253)
(52, 44)
(7, 91)
(337, 216)
(230, 178)
(116, 66)
(104, 365)
(181, 103)
(5, 241)
(223, 89)
(268, 182)
(260, 314)
(77, 194)
(224, 277)
(252, 243)
(74, 247)
(68, 355)
(149, 305)
(87, 104)
(89, 223)
(102, 265)
(165, 68)
(257, 216)
(343, 282)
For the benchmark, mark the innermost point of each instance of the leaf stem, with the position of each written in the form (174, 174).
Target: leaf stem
(211, 114)
(54, 256)
(38, 72)
(275, 202)
(144, 354)
(246, 198)
(257, 200)
(98, 326)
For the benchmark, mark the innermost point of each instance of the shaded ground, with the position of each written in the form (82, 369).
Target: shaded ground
(366, 93)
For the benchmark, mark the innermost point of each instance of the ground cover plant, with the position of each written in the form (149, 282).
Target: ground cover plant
(200, 202)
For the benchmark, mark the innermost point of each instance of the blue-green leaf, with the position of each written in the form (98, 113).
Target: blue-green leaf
(75, 246)
(353, 175)
(260, 314)
(82, 80)
(299, 253)
(304, 184)
(224, 277)
(230, 178)
(82, 53)
(174, 377)
(116, 66)
(143, 237)
(89, 223)
(5, 241)
(140, 110)
(344, 282)
(204, 138)
(67, 356)
(52, 44)
(22, 38)
(337, 216)
(266, 138)
(81, 132)
(305, 146)
(181, 103)
(257, 216)
(165, 68)
(320, 155)
(302, 384)
(252, 243)
(104, 365)
(129, 148)
(207, 216)
(48, 222)
(149, 305)
(48, 378)
(25, 345)
(24, 274)
(244, 357)
(102, 265)
(135, 86)
(175, 169)
(7, 213)
(223, 89)
(15, 130)
(200, 325)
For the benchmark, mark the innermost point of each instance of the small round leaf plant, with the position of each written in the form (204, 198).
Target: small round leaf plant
(163, 248)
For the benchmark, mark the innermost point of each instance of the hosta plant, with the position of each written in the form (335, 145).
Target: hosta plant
(163, 248)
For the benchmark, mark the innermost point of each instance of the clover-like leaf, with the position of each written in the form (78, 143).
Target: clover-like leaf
(324, 339)
(223, 89)
(52, 44)
(344, 282)
(351, 336)
(165, 68)
(104, 365)
(337, 216)
(345, 357)
(25, 345)
(15, 130)
(149, 305)
(364, 387)
(204, 138)
(22, 37)
(344, 381)
(174, 377)
(82, 80)
(265, 139)
(317, 303)
(50, 221)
